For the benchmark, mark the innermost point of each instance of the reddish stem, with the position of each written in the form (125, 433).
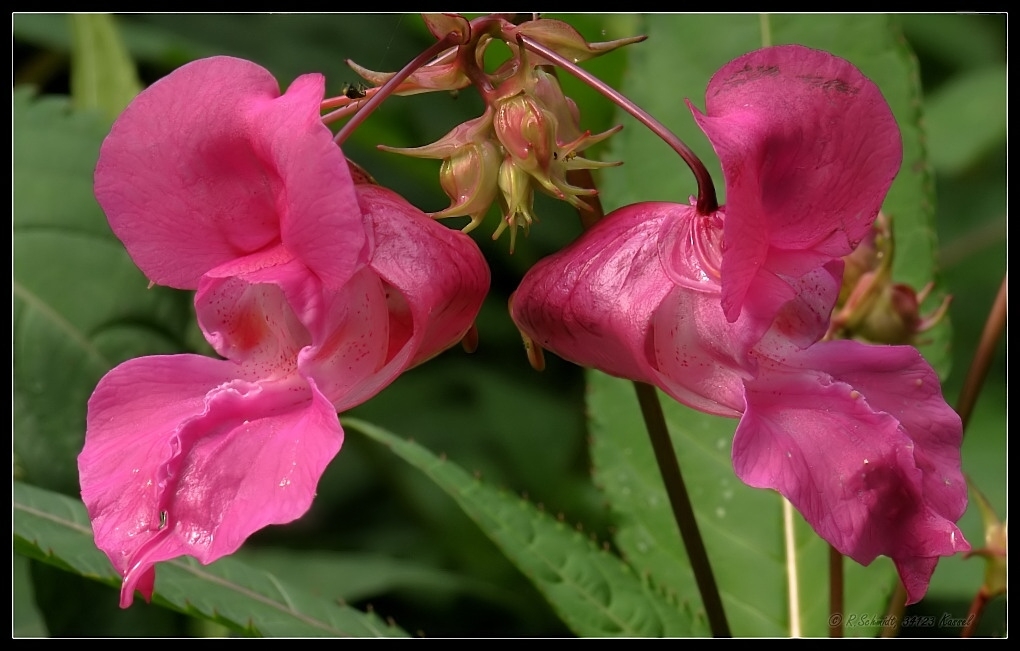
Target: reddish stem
(994, 326)
(707, 202)
(835, 593)
(387, 89)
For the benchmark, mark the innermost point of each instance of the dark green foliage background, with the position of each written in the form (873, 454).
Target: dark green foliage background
(381, 533)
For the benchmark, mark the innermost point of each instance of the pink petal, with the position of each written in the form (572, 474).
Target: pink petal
(347, 358)
(802, 320)
(219, 457)
(898, 381)
(259, 317)
(320, 218)
(809, 148)
(211, 163)
(440, 273)
(420, 295)
(275, 319)
(700, 358)
(592, 303)
(861, 477)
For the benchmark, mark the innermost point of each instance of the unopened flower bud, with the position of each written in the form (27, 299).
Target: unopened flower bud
(469, 178)
(517, 198)
(527, 132)
(871, 306)
(567, 41)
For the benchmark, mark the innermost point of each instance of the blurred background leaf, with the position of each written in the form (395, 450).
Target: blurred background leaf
(103, 76)
(80, 306)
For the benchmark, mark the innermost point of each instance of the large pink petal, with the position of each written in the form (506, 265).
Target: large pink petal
(898, 381)
(210, 164)
(809, 148)
(592, 303)
(320, 218)
(180, 439)
(420, 294)
(853, 470)
(440, 273)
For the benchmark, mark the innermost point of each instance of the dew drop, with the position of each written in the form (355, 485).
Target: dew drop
(720, 512)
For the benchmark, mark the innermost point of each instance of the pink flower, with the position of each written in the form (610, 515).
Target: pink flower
(317, 291)
(724, 312)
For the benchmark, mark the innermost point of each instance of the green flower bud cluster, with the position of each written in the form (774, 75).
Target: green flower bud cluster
(529, 135)
(871, 306)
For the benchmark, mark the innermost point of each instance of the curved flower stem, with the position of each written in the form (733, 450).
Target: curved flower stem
(665, 455)
(994, 326)
(835, 592)
(386, 89)
(977, 607)
(707, 202)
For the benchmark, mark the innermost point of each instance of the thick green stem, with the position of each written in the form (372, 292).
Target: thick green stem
(669, 468)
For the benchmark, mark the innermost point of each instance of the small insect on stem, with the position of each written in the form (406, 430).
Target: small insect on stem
(354, 91)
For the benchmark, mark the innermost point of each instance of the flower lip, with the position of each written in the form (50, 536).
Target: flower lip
(725, 312)
(318, 292)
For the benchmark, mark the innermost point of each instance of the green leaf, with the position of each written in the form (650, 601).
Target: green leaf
(80, 304)
(966, 119)
(103, 76)
(55, 529)
(742, 527)
(28, 621)
(348, 577)
(593, 591)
